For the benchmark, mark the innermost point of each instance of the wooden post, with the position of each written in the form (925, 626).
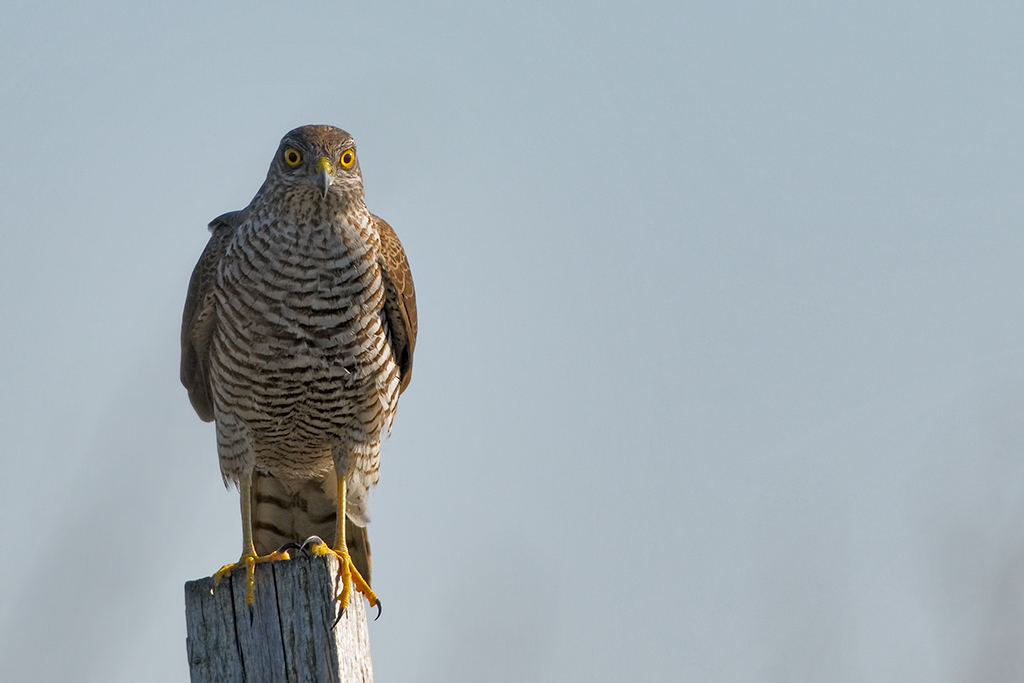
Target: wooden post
(285, 636)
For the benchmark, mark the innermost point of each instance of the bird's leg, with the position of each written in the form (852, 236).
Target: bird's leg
(349, 574)
(249, 557)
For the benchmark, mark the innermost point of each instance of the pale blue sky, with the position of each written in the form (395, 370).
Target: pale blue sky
(720, 374)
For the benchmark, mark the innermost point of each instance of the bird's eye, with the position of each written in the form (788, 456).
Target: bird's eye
(348, 157)
(292, 157)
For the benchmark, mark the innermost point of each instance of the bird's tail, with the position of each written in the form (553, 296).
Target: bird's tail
(290, 512)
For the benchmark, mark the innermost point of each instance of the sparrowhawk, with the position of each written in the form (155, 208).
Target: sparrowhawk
(297, 339)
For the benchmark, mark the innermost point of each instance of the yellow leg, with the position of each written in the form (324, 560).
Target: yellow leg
(349, 574)
(249, 558)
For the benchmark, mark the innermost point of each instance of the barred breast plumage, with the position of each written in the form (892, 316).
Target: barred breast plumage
(297, 339)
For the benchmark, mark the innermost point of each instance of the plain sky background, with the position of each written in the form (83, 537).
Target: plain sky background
(719, 374)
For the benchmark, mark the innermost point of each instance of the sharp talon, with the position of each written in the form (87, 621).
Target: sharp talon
(379, 610)
(290, 545)
(341, 613)
(311, 541)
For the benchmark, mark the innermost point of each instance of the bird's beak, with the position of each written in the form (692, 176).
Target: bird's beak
(323, 176)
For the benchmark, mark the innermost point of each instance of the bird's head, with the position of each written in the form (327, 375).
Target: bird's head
(318, 160)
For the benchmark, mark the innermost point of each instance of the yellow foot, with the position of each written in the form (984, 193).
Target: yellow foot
(249, 561)
(349, 575)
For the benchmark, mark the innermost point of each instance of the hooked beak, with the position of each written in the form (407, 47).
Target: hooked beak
(323, 178)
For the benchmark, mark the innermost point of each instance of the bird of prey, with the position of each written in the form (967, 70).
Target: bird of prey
(297, 339)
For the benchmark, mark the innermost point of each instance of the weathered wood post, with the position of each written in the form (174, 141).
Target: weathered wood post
(286, 636)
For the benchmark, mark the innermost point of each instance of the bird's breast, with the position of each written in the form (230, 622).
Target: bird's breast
(299, 335)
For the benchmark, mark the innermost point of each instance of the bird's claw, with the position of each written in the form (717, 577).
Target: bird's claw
(249, 561)
(347, 572)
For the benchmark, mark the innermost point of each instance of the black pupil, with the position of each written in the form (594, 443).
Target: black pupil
(292, 157)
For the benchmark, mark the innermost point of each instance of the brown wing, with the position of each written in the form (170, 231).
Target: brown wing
(198, 320)
(399, 300)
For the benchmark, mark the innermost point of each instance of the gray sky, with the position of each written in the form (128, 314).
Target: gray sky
(720, 370)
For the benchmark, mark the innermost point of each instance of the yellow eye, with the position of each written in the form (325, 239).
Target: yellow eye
(292, 156)
(348, 157)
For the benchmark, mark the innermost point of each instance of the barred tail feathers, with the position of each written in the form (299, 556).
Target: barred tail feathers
(285, 512)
